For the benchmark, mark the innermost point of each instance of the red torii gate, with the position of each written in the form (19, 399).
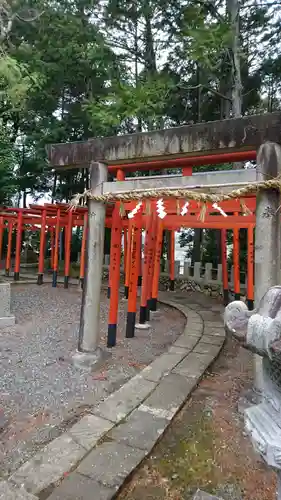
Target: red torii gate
(53, 218)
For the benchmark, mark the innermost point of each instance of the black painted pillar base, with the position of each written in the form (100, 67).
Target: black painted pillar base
(225, 297)
(16, 276)
(250, 304)
(172, 285)
(40, 279)
(130, 327)
(82, 283)
(237, 296)
(126, 292)
(139, 280)
(66, 281)
(111, 335)
(55, 279)
(108, 292)
(147, 311)
(143, 314)
(153, 304)
(7, 272)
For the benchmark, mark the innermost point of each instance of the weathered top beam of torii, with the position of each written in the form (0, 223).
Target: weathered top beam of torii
(239, 134)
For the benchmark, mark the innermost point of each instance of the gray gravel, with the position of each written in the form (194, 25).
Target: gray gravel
(41, 393)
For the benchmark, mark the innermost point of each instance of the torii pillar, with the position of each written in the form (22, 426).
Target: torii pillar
(89, 352)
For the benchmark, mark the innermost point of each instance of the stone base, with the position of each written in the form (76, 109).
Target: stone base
(142, 326)
(7, 321)
(89, 361)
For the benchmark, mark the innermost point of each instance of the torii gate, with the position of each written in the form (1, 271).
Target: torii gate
(205, 143)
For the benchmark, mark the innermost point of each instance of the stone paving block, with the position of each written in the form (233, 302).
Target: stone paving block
(194, 329)
(177, 350)
(186, 341)
(89, 430)
(141, 430)
(215, 332)
(203, 348)
(212, 339)
(121, 402)
(202, 495)
(194, 317)
(10, 492)
(168, 396)
(161, 366)
(214, 324)
(77, 487)
(49, 465)
(209, 315)
(194, 365)
(111, 463)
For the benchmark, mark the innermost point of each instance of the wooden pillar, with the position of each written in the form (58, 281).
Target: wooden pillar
(83, 250)
(151, 254)
(140, 261)
(236, 261)
(18, 246)
(128, 260)
(2, 227)
(115, 262)
(89, 332)
(157, 262)
(9, 248)
(52, 245)
(42, 248)
(250, 267)
(67, 248)
(224, 266)
(133, 281)
(56, 253)
(145, 283)
(172, 261)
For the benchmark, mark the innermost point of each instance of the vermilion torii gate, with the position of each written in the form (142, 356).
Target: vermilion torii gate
(206, 143)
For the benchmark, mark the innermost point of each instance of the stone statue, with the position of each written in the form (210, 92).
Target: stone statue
(260, 332)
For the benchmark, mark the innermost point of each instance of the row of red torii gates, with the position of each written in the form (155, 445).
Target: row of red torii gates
(53, 218)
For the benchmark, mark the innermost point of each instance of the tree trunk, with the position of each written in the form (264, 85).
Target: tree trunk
(233, 8)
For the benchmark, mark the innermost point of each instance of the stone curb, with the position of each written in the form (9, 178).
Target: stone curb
(97, 454)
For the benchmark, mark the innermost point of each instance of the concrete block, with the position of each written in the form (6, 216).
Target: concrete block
(212, 339)
(202, 495)
(89, 430)
(161, 365)
(178, 350)
(168, 397)
(194, 365)
(126, 399)
(10, 492)
(77, 487)
(49, 465)
(214, 331)
(111, 463)
(141, 430)
(203, 348)
(6, 319)
(186, 342)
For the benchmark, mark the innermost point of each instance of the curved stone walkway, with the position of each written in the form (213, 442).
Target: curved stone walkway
(96, 455)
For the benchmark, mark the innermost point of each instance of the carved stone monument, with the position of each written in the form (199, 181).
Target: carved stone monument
(260, 332)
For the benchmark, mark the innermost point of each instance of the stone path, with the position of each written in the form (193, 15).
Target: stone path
(98, 453)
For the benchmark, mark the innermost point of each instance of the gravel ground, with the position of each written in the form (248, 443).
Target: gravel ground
(41, 393)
